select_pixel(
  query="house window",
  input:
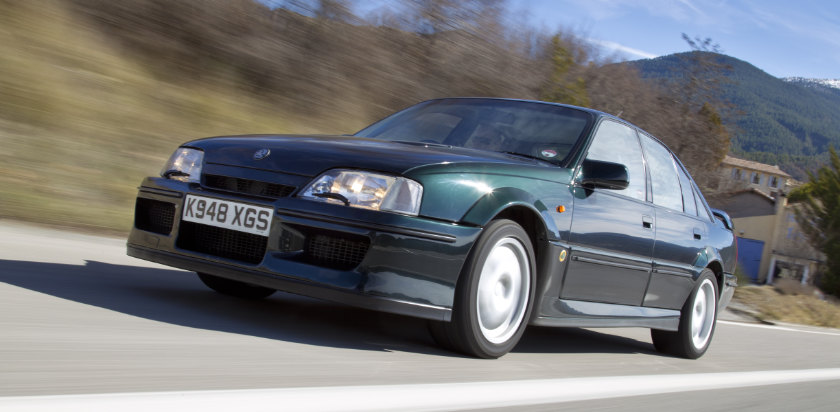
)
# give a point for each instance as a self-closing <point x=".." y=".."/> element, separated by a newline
<point x="773" y="181"/>
<point x="736" y="173"/>
<point x="755" y="178"/>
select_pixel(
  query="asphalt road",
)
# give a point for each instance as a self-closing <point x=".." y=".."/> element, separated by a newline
<point x="79" y="317"/>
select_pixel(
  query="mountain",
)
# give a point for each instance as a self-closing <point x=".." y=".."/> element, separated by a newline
<point x="816" y="83"/>
<point x="826" y="86"/>
<point x="789" y="122"/>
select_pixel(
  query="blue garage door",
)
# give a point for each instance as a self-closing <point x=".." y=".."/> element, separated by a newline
<point x="749" y="256"/>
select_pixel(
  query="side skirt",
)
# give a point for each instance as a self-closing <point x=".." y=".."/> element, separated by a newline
<point x="575" y="313"/>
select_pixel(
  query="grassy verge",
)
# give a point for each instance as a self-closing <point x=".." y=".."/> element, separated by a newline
<point x="788" y="302"/>
<point x="82" y="122"/>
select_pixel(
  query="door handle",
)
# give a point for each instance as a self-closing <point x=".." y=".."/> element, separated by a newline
<point x="647" y="222"/>
<point x="698" y="234"/>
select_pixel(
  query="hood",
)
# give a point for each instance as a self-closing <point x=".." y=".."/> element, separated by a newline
<point x="312" y="155"/>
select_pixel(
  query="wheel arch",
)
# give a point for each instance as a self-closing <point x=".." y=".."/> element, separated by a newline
<point x="528" y="212"/>
<point x="513" y="202"/>
<point x="717" y="268"/>
<point x="532" y="223"/>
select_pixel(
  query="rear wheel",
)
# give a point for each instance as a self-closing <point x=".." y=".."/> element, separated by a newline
<point x="234" y="287"/>
<point x="494" y="295"/>
<point x="697" y="322"/>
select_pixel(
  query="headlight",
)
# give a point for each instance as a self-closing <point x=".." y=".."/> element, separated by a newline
<point x="184" y="165"/>
<point x="366" y="190"/>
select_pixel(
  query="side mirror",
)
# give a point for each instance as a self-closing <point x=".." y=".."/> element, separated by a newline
<point x="724" y="217"/>
<point x="605" y="175"/>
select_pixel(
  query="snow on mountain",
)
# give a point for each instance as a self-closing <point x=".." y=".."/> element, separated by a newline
<point x="832" y="83"/>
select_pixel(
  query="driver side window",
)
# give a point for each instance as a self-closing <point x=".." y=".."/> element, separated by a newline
<point x="617" y="143"/>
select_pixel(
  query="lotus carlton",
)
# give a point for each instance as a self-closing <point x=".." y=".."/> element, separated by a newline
<point x="481" y="215"/>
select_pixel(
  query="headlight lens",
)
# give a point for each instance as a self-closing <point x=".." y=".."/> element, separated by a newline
<point x="366" y="190"/>
<point x="184" y="165"/>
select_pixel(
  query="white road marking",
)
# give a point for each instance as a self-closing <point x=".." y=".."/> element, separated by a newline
<point x="773" y="327"/>
<point x="418" y="397"/>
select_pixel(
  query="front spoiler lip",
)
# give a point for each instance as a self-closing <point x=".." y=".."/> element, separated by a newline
<point x="295" y="286"/>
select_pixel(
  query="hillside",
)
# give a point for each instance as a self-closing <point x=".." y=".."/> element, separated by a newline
<point x="789" y="123"/>
<point x="96" y="94"/>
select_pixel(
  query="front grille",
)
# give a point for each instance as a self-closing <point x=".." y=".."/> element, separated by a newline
<point x="224" y="243"/>
<point x="335" y="250"/>
<point x="247" y="186"/>
<point x="154" y="215"/>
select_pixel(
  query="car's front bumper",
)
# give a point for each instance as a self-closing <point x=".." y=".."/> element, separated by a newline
<point x="381" y="261"/>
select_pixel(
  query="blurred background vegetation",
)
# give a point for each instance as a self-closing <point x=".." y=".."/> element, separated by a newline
<point x="95" y="94"/>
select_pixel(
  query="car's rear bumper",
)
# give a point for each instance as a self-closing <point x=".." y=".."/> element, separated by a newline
<point x="730" y="282"/>
<point x="381" y="261"/>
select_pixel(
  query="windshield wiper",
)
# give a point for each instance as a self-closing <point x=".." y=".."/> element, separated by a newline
<point x="422" y="143"/>
<point x="529" y="156"/>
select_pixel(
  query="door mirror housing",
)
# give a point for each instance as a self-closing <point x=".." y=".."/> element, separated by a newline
<point x="604" y="175"/>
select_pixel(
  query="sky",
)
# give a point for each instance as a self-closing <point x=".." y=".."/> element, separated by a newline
<point x="785" y="38"/>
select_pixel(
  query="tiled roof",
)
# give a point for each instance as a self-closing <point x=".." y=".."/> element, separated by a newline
<point x="751" y="190"/>
<point x="749" y="202"/>
<point x="750" y="165"/>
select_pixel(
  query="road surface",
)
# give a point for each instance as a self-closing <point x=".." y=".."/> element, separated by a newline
<point x="84" y="327"/>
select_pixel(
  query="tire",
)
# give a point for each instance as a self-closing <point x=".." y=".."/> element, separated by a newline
<point x="494" y="295"/>
<point x="697" y="322"/>
<point x="235" y="288"/>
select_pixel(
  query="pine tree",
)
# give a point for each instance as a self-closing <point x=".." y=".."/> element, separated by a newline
<point x="567" y="84"/>
<point x="818" y="213"/>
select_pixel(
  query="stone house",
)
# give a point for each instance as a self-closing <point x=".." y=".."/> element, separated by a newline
<point x="738" y="173"/>
<point x="771" y="244"/>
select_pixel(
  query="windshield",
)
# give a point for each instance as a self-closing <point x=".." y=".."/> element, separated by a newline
<point x="538" y="130"/>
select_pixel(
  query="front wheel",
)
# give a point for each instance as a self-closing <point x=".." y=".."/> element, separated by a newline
<point x="235" y="288"/>
<point x="494" y="295"/>
<point x="697" y="322"/>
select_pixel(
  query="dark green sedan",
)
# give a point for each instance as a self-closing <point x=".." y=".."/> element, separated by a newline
<point x="481" y="215"/>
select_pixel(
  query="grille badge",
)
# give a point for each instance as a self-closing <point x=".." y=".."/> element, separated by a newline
<point x="261" y="154"/>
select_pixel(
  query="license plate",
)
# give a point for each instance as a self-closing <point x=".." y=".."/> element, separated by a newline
<point x="229" y="215"/>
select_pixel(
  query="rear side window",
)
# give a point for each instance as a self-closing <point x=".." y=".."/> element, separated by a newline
<point x="617" y="143"/>
<point x="702" y="209"/>
<point x="665" y="184"/>
<point x="687" y="192"/>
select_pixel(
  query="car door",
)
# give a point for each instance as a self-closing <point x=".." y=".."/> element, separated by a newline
<point x="612" y="230"/>
<point x="680" y="233"/>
